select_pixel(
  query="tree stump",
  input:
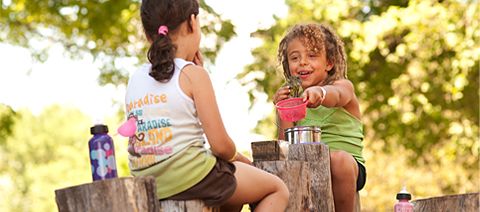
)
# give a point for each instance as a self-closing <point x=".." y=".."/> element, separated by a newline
<point x="266" y="151"/>
<point x="119" y="194"/>
<point x="122" y="195"/>
<point x="306" y="171"/>
<point x="318" y="157"/>
<point x="296" y="176"/>
<point x="460" y="202"/>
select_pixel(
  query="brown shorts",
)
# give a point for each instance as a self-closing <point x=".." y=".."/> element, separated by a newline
<point x="362" y="176"/>
<point x="215" y="189"/>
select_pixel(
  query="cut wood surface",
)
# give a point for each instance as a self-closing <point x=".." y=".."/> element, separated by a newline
<point x="458" y="203"/>
<point x="119" y="194"/>
<point x="122" y="195"/>
<point x="265" y="151"/>
<point x="306" y="173"/>
<point x="318" y="157"/>
<point x="297" y="177"/>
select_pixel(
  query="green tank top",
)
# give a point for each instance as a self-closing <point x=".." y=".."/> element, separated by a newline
<point x="181" y="171"/>
<point x="340" y="129"/>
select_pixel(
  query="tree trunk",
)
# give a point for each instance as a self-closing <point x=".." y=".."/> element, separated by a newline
<point x="119" y="194"/>
<point x="122" y="195"/>
<point x="318" y="157"/>
<point x="266" y="151"/>
<point x="461" y="202"/>
<point x="306" y="173"/>
<point x="297" y="177"/>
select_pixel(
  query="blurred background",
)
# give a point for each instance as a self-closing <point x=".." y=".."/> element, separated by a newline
<point x="415" y="66"/>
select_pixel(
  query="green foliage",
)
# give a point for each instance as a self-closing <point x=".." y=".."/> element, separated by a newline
<point x="108" y="30"/>
<point x="39" y="154"/>
<point x="7" y="115"/>
<point x="45" y="153"/>
<point x="214" y="28"/>
<point x="415" y="65"/>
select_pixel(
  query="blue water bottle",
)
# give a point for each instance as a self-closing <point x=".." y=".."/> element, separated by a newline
<point x="102" y="153"/>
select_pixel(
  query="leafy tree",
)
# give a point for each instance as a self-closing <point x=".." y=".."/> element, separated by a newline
<point x="109" y="30"/>
<point x="415" y="65"/>
<point x="48" y="152"/>
<point x="44" y="153"/>
<point x="39" y="154"/>
<point x="7" y="116"/>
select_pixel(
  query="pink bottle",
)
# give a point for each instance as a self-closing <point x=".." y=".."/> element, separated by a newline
<point x="403" y="204"/>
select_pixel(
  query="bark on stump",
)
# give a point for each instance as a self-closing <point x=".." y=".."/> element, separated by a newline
<point x="296" y="175"/>
<point x="306" y="171"/>
<point x="122" y="195"/>
<point x="119" y="194"/>
<point x="460" y="202"/>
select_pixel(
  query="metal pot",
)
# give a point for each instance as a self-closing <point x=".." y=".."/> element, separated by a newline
<point x="303" y="134"/>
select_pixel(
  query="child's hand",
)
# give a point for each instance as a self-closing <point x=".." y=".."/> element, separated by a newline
<point x="243" y="159"/>
<point x="314" y="96"/>
<point x="281" y="94"/>
<point x="198" y="59"/>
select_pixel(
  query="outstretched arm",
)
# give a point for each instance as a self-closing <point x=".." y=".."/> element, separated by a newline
<point x="340" y="94"/>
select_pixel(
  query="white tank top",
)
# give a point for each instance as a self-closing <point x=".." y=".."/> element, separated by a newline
<point x="167" y="120"/>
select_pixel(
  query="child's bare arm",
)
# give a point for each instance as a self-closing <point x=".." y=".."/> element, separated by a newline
<point x="339" y="94"/>
<point x="204" y="99"/>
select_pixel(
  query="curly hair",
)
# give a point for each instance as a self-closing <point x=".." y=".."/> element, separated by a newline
<point x="317" y="38"/>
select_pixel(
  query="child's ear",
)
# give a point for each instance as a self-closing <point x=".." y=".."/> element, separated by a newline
<point x="194" y="21"/>
<point x="329" y="66"/>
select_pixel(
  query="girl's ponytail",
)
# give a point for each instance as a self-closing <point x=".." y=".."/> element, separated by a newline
<point x="161" y="55"/>
<point x="160" y="20"/>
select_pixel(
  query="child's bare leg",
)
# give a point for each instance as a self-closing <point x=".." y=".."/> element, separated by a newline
<point x="344" y="180"/>
<point x="255" y="185"/>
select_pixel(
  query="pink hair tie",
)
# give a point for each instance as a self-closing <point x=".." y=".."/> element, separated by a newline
<point x="163" y="30"/>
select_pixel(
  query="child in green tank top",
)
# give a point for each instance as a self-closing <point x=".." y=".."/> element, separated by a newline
<point x="314" y="54"/>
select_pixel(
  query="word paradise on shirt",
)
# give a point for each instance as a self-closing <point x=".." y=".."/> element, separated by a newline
<point x="148" y="99"/>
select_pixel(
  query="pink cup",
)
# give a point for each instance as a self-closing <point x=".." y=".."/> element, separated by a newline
<point x="292" y="109"/>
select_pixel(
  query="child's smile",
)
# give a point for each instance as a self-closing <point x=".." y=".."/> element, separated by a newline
<point x="311" y="67"/>
<point x="304" y="74"/>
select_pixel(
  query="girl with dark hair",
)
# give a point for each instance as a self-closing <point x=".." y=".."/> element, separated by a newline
<point x="173" y="103"/>
<point x="314" y="54"/>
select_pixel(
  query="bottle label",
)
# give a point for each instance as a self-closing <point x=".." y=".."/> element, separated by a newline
<point x="403" y="207"/>
<point x="102" y="159"/>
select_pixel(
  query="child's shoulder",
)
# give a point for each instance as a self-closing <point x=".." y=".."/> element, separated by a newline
<point x="195" y="70"/>
<point x="196" y="75"/>
<point x="346" y="83"/>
